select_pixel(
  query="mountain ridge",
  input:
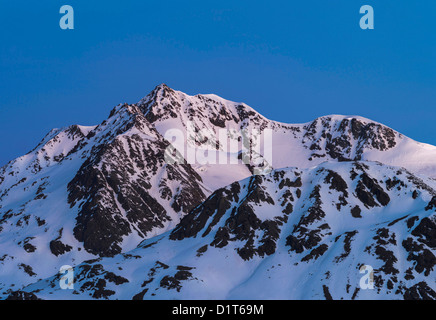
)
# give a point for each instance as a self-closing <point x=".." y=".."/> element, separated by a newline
<point x="300" y="248"/>
<point x="87" y="192"/>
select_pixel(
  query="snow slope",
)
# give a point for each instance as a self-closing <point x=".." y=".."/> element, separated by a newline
<point x="292" y="234"/>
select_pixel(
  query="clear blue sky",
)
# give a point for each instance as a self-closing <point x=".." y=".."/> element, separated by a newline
<point x="291" y="60"/>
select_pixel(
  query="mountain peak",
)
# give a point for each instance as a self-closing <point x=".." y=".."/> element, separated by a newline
<point x="162" y="90"/>
<point x="159" y="92"/>
<point x="209" y="111"/>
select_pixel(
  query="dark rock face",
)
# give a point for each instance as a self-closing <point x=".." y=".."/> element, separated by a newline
<point x="426" y="231"/>
<point x="339" y="138"/>
<point x="22" y="295"/>
<point x="174" y="282"/>
<point x="355" y="212"/>
<point x="424" y="259"/>
<point x="241" y="223"/>
<point x="93" y="280"/>
<point x="420" y="291"/>
<point x="27" y="269"/>
<point x="58" y="248"/>
<point x="216" y="205"/>
<point x="327" y="294"/>
<point x="336" y="182"/>
<point x="383" y="239"/>
<point x="305" y="235"/>
<point x="348" y="238"/>
<point x="27" y="245"/>
<point x="113" y="190"/>
<point x="421" y="245"/>
<point x="316" y="253"/>
<point x="432" y="204"/>
<point x="367" y="189"/>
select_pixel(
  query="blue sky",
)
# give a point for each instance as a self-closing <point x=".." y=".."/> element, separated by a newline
<point x="291" y="60"/>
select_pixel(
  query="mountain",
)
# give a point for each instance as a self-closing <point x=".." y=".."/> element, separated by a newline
<point x="334" y="137"/>
<point x="95" y="193"/>
<point x="292" y="234"/>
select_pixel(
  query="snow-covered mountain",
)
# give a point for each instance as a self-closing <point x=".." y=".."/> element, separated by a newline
<point x="292" y="234"/>
<point x="216" y="230"/>
<point x="334" y="137"/>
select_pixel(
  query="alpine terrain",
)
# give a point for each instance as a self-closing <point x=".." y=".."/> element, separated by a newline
<point x="311" y="211"/>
